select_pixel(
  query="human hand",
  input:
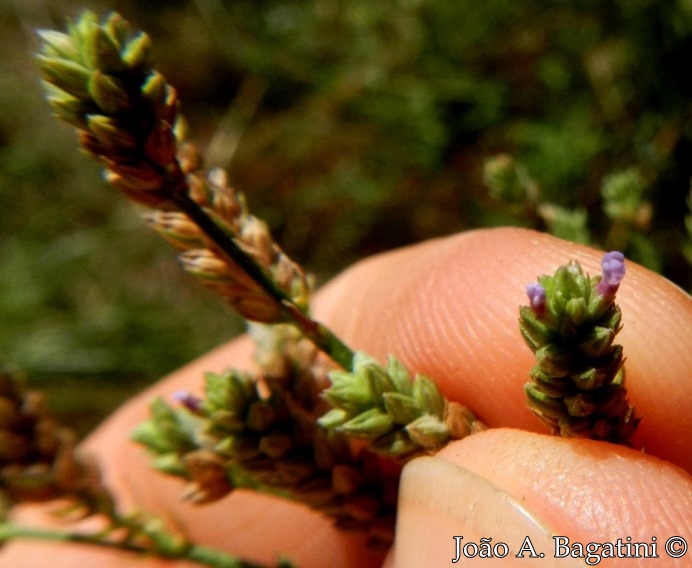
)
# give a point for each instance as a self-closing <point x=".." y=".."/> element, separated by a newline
<point x="448" y="308"/>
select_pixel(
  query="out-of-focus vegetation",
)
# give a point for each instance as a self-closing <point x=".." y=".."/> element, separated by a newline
<point x="353" y="127"/>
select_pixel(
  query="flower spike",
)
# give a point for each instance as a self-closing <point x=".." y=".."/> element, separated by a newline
<point x="99" y="77"/>
<point x="577" y="386"/>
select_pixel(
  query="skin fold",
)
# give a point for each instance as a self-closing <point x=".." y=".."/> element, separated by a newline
<point x="448" y="308"/>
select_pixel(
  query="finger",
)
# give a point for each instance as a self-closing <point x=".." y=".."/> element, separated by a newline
<point x="449" y="308"/>
<point x="508" y="484"/>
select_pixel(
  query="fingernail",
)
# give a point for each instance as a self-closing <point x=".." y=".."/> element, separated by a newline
<point x="444" y="512"/>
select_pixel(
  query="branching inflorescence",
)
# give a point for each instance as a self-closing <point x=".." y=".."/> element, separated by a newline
<point x="288" y="429"/>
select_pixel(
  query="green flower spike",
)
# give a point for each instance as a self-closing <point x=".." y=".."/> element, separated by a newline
<point x="99" y="77"/>
<point x="399" y="416"/>
<point x="248" y="432"/>
<point x="577" y="386"/>
<point x="252" y="432"/>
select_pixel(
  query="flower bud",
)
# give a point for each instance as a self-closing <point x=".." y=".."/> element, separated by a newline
<point x="153" y="91"/>
<point x="101" y="52"/>
<point x="261" y="416"/>
<point x="537" y="298"/>
<point x="402" y="408"/>
<point x="275" y="445"/>
<point x="351" y="395"/>
<point x="613" y="266"/>
<point x="110" y="135"/>
<point x="67" y="75"/>
<point x="428" y="432"/>
<point x="59" y="45"/>
<point x="369" y="424"/>
<point x="69" y="109"/>
<point x="346" y="480"/>
<point x="137" y="52"/>
<point x="188" y="400"/>
<point x="598" y="341"/>
<point x="209" y="478"/>
<point x="117" y="28"/>
<point x="109" y="93"/>
<point x="427" y="396"/>
<point x="575" y="310"/>
<point x="458" y="420"/>
<point x="161" y="145"/>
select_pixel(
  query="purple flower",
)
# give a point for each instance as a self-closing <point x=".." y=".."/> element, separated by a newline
<point x="613" y="266"/>
<point x="188" y="400"/>
<point x="536" y="293"/>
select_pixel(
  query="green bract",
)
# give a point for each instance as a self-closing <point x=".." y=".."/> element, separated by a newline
<point x="400" y="416"/>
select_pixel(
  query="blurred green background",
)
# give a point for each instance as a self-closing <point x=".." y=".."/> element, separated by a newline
<point x="353" y="127"/>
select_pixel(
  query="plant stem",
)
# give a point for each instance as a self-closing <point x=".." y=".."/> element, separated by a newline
<point x="194" y="553"/>
<point x="318" y="333"/>
<point x="228" y="247"/>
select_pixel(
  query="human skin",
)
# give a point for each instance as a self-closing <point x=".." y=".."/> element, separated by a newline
<point x="448" y="308"/>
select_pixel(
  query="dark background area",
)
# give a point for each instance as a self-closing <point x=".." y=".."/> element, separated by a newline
<point x="352" y="127"/>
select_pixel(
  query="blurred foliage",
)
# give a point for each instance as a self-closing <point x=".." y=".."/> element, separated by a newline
<point x="352" y="126"/>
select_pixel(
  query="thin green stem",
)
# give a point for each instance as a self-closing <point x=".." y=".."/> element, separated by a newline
<point x="198" y="554"/>
<point x="229" y="248"/>
<point x="323" y="338"/>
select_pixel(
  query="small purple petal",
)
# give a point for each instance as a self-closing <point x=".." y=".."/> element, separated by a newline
<point x="613" y="265"/>
<point x="188" y="400"/>
<point x="536" y="294"/>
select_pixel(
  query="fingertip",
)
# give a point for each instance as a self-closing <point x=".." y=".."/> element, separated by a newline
<point x="590" y="490"/>
<point x="446" y="511"/>
<point x="505" y="486"/>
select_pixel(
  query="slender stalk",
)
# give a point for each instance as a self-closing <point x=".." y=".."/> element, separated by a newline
<point x="228" y="247"/>
<point x="194" y="553"/>
<point x="323" y="338"/>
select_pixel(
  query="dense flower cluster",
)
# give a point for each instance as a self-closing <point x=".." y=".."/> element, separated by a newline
<point x="577" y="386"/>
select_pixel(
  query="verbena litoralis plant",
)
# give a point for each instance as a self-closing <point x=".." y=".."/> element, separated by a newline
<point x="289" y="428"/>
